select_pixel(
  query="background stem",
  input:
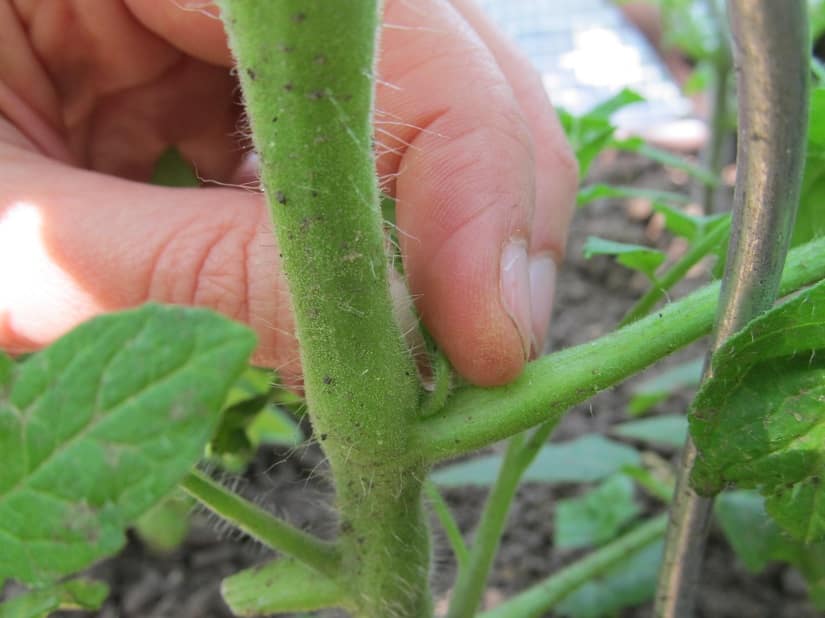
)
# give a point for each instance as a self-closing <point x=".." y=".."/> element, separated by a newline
<point x="771" y="52"/>
<point x="699" y="249"/>
<point x="469" y="588"/>
<point x="535" y="601"/>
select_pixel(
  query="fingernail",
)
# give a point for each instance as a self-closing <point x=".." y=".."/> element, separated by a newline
<point x="515" y="290"/>
<point x="542" y="290"/>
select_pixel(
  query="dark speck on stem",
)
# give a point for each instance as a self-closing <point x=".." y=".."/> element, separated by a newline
<point x="280" y="197"/>
<point x="251" y="74"/>
<point x="288" y="87"/>
<point x="299" y="17"/>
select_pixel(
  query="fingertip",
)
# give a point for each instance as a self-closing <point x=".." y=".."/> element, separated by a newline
<point x="192" y="26"/>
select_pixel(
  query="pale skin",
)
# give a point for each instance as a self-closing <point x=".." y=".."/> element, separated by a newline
<point x="93" y="91"/>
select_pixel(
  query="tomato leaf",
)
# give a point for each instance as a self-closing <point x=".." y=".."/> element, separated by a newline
<point x="596" y="517"/>
<point x="282" y="585"/>
<point x="101" y="425"/>
<point x="636" y="257"/>
<point x="75" y="594"/>
<point x="583" y="460"/>
<point x="760" y="421"/>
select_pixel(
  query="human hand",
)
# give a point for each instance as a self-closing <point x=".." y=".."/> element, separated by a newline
<point x="92" y="92"/>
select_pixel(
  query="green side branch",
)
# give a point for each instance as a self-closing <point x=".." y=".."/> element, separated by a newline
<point x="306" y="73"/>
<point x="262" y="526"/>
<point x="474" y="417"/>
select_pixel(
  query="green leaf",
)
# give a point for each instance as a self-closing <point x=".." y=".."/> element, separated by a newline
<point x="596" y="517"/>
<point x="599" y="191"/>
<point x="758" y="541"/>
<point x="689" y="226"/>
<point x="101" y="425"/>
<point x="760" y="422"/>
<point x="691" y="28"/>
<point x="620" y="100"/>
<point x="651" y="391"/>
<point x="592" y="132"/>
<point x="668" y="159"/>
<point x="283" y="585"/>
<point x="816" y="18"/>
<point x="632" y="582"/>
<point x="171" y="170"/>
<point x="6" y="372"/>
<point x="636" y="257"/>
<point x="273" y="426"/>
<point x="231" y="437"/>
<point x="810" y="218"/>
<point x="165" y="526"/>
<point x="75" y="594"/>
<point x="699" y="79"/>
<point x="667" y="429"/>
<point x="253" y="382"/>
<point x="751" y="533"/>
<point x="583" y="460"/>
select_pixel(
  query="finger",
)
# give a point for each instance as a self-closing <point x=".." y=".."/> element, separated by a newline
<point x="85" y="243"/>
<point x="556" y="167"/>
<point x="457" y="152"/>
<point x="192" y="26"/>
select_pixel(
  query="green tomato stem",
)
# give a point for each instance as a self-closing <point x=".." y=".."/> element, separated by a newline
<point x="449" y="524"/>
<point x="475" y="417"/>
<point x="306" y="70"/>
<point x="470" y="583"/>
<point x="259" y="524"/>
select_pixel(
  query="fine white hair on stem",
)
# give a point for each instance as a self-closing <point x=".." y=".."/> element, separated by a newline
<point x="372" y="76"/>
<point x="253" y="186"/>
<point x="412" y="28"/>
<point x="392" y="135"/>
<point x="402" y="233"/>
<point x="202" y="8"/>
<point x="343" y="117"/>
<point x="401" y="123"/>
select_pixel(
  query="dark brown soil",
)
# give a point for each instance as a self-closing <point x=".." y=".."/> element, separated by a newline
<point x="592" y="295"/>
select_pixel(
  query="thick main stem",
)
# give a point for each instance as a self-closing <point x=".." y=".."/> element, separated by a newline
<point x="771" y="50"/>
<point x="306" y="72"/>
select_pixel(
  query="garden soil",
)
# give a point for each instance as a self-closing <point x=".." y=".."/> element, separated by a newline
<point x="592" y="295"/>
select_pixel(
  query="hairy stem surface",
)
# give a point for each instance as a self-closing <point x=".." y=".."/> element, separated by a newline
<point x="259" y="524"/>
<point x="306" y="71"/>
